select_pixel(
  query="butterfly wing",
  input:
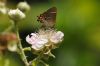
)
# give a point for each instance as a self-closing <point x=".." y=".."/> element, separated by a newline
<point x="48" y="18"/>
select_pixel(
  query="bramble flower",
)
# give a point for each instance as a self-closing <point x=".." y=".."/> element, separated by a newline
<point x="23" y="6"/>
<point x="45" y="38"/>
<point x="37" y="41"/>
<point x="16" y="14"/>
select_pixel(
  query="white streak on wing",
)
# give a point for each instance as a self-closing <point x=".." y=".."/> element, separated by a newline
<point x="52" y="12"/>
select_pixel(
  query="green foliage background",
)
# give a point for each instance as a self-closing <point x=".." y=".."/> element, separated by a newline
<point x="80" y="22"/>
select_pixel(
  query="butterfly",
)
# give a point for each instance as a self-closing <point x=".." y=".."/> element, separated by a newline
<point x="48" y="18"/>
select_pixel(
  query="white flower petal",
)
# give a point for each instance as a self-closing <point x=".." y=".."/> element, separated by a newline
<point x="57" y="37"/>
<point x="29" y="40"/>
<point x="37" y="41"/>
<point x="42" y="41"/>
<point x="38" y="46"/>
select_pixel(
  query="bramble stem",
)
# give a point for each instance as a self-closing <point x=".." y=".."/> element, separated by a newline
<point x="22" y="54"/>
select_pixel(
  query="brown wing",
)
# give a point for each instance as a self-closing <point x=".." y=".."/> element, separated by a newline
<point x="50" y="14"/>
<point x="48" y="18"/>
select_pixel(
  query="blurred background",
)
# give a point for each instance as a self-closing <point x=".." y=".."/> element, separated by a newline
<point x="78" y="19"/>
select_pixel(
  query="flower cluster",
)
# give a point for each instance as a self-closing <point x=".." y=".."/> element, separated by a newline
<point x="45" y="38"/>
<point x="16" y="14"/>
<point x="19" y="13"/>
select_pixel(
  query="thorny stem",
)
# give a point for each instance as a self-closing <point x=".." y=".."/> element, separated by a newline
<point x="22" y="54"/>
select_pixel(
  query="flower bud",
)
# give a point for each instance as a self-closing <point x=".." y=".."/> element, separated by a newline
<point x="23" y="6"/>
<point x="16" y="14"/>
<point x="12" y="46"/>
